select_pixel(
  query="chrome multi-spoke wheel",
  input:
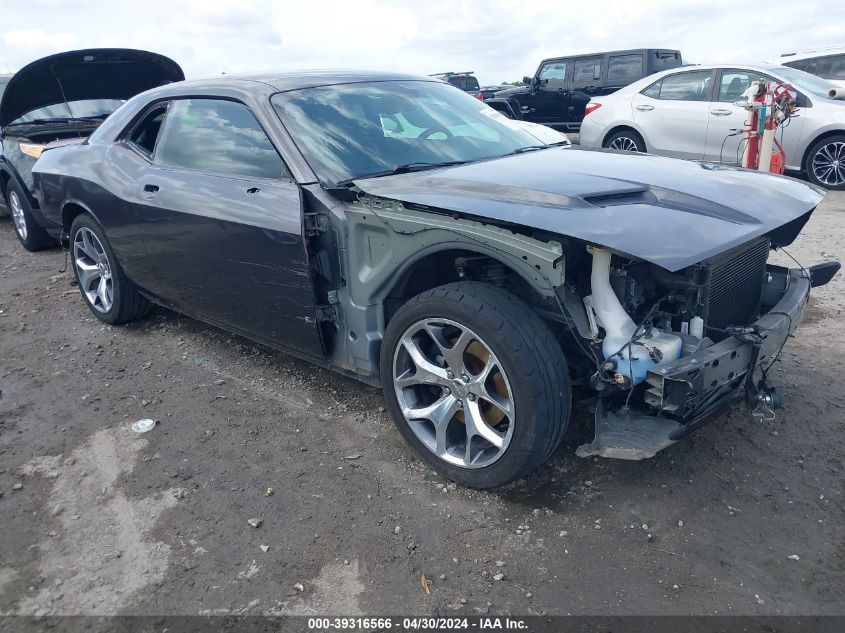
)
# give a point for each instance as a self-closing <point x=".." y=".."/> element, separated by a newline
<point x="453" y="393"/>
<point x="18" y="217"/>
<point x="93" y="270"/>
<point x="828" y="164"/>
<point x="476" y="382"/>
<point x="624" y="144"/>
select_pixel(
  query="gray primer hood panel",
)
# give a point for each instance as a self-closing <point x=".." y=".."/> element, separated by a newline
<point x="673" y="213"/>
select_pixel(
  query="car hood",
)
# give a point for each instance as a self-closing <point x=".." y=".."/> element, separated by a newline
<point x="670" y="212"/>
<point x="100" y="73"/>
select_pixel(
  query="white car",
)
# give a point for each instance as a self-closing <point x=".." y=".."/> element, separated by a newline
<point x="689" y="112"/>
<point x="828" y="63"/>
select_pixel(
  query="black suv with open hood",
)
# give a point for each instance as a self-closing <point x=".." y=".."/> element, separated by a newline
<point x="60" y="100"/>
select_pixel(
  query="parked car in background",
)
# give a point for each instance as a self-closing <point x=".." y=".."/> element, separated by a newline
<point x="690" y="113"/>
<point x="4" y="79"/>
<point x="827" y="63"/>
<point x="60" y="100"/>
<point x="389" y="227"/>
<point x="562" y="86"/>
<point x="466" y="81"/>
<point x="488" y="92"/>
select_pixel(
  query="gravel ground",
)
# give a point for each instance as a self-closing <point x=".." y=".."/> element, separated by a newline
<point x="744" y="517"/>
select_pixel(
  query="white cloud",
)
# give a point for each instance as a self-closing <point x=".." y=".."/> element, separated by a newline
<point x="499" y="39"/>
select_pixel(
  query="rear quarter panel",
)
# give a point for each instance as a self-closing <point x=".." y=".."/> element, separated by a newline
<point x="91" y="177"/>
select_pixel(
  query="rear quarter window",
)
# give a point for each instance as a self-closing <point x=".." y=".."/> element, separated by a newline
<point x="624" y="69"/>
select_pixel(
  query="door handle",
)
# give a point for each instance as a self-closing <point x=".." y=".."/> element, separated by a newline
<point x="253" y="191"/>
<point x="645" y="108"/>
<point x="721" y="112"/>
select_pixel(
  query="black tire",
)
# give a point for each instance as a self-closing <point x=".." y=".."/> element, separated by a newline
<point x="128" y="304"/>
<point x="630" y="139"/>
<point x="819" y="154"/>
<point x="30" y="234"/>
<point x="530" y="357"/>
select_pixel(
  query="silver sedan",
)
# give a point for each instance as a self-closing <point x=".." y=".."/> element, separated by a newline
<point x="689" y="112"/>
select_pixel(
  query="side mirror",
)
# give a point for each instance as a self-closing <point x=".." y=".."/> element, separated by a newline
<point x="527" y="80"/>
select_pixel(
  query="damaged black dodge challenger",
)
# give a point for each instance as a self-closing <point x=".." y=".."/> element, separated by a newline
<point x="387" y="227"/>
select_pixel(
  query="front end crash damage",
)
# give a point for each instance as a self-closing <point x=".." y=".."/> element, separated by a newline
<point x="389" y="239"/>
<point x="684" y="394"/>
<point x="659" y="336"/>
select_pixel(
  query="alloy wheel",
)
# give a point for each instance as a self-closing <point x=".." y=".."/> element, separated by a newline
<point x="453" y="393"/>
<point x="18" y="216"/>
<point x="624" y="144"/>
<point x="829" y="164"/>
<point x="93" y="270"/>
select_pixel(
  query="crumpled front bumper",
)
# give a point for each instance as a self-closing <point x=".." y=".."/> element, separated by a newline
<point x="701" y="383"/>
<point x="687" y="392"/>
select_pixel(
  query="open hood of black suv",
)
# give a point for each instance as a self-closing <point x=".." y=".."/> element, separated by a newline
<point x="96" y="73"/>
<point x="673" y="213"/>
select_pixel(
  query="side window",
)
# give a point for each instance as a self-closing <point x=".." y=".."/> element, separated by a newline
<point x="691" y="86"/>
<point x="652" y="91"/>
<point x="830" y="67"/>
<point x="586" y="71"/>
<point x="553" y="72"/>
<point x="624" y="68"/>
<point x="801" y="64"/>
<point x="734" y="83"/>
<point x="217" y="136"/>
<point x="145" y="134"/>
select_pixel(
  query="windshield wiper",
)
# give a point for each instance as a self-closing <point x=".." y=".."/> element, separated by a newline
<point x="66" y="120"/>
<point x="531" y="148"/>
<point x="400" y="169"/>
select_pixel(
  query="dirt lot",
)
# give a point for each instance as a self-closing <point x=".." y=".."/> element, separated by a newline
<point x="744" y="517"/>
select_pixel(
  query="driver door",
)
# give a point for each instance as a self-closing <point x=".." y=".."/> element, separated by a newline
<point x="223" y="226"/>
<point x="551" y="97"/>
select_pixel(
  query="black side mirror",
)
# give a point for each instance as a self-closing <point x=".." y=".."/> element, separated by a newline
<point x="528" y="80"/>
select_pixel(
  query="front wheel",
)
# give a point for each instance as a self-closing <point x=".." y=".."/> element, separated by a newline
<point x="826" y="163"/>
<point x="625" y="141"/>
<point x="476" y="383"/>
<point x="104" y="287"/>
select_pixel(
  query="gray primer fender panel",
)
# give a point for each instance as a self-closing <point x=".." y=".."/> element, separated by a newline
<point x="384" y="239"/>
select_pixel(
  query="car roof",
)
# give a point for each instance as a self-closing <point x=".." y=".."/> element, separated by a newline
<point x="282" y="81"/>
<point x="758" y="67"/>
<point x="619" y="52"/>
<point x="810" y="54"/>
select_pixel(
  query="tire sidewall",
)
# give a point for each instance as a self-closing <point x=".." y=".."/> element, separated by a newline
<point x="811" y="176"/>
<point x="33" y="229"/>
<point x="118" y="282"/>
<point x="527" y="439"/>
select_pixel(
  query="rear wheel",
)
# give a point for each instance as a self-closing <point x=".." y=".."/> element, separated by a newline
<point x="476" y="383"/>
<point x="625" y="141"/>
<point x="30" y="234"/>
<point x="826" y="162"/>
<point x="109" y="294"/>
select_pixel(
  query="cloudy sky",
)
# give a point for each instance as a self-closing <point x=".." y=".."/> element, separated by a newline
<point x="501" y="40"/>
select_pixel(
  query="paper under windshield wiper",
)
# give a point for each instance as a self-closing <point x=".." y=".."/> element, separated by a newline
<point x="401" y="169"/>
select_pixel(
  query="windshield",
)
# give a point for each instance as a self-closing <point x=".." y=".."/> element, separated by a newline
<point x="352" y="130"/>
<point x="805" y="81"/>
<point x="74" y="109"/>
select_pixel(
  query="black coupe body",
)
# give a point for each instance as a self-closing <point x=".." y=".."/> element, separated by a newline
<point x="387" y="227"/>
